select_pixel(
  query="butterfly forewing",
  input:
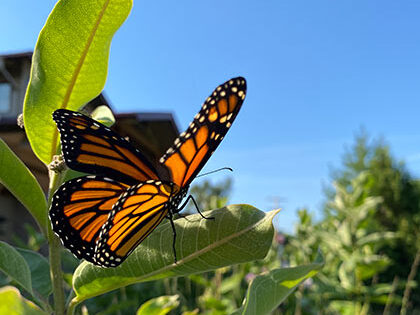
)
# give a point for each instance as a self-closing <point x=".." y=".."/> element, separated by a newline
<point x="135" y="215"/>
<point x="79" y="209"/>
<point x="90" y="147"/>
<point x="193" y="148"/>
<point x="103" y="220"/>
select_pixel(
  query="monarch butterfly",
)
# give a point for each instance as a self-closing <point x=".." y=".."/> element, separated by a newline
<point x="103" y="217"/>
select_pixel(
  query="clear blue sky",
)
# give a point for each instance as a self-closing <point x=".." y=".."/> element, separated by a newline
<point x="317" y="71"/>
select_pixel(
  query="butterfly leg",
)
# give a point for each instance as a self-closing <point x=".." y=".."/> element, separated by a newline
<point x="183" y="217"/>
<point x="170" y="217"/>
<point x="196" y="206"/>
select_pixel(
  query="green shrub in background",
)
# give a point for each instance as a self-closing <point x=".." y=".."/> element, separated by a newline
<point x="368" y="235"/>
<point x="69" y="68"/>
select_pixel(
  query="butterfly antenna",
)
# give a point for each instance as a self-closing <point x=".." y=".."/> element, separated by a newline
<point x="220" y="169"/>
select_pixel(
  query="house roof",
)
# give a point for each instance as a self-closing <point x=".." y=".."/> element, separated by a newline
<point x="153" y="132"/>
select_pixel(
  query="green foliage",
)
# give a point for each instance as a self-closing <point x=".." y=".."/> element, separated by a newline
<point x="69" y="65"/>
<point x="390" y="180"/>
<point x="211" y="196"/>
<point x="238" y="234"/>
<point x="161" y="305"/>
<point x="40" y="271"/>
<point x="14" y="265"/>
<point x="399" y="211"/>
<point x="104" y="115"/>
<point x="12" y="303"/>
<point x="347" y="235"/>
<point x="17" y="178"/>
<point x="267" y="291"/>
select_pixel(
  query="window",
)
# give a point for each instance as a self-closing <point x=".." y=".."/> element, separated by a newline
<point x="5" y="97"/>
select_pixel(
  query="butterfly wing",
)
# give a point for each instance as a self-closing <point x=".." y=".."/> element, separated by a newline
<point x="193" y="148"/>
<point x="79" y="209"/>
<point x="90" y="147"/>
<point x="135" y="215"/>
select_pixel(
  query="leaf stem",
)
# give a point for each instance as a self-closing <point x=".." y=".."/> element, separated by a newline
<point x="55" y="257"/>
<point x="410" y="278"/>
<point x="72" y="305"/>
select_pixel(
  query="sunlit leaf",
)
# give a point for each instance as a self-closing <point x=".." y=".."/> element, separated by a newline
<point x="161" y="305"/>
<point x="376" y="238"/>
<point x="12" y="303"/>
<point x="371" y="266"/>
<point x="104" y="115"/>
<point x="266" y="292"/>
<point x="69" y="65"/>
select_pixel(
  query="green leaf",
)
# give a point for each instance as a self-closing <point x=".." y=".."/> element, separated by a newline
<point x="344" y="307"/>
<point x="371" y="265"/>
<point x="14" y="265"/>
<point x="376" y="238"/>
<point x="239" y="233"/>
<point x="12" y="303"/>
<point x="69" y="65"/>
<point x="104" y="115"/>
<point x="232" y="282"/>
<point x="17" y="179"/>
<point x="161" y="305"/>
<point x="40" y="271"/>
<point x="379" y="289"/>
<point x="268" y="291"/>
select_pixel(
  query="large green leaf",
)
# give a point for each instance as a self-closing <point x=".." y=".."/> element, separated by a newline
<point x="14" y="265"/>
<point x="17" y="178"/>
<point x="268" y="291"/>
<point x="69" y="65"/>
<point x="12" y="303"/>
<point x="238" y="234"/>
<point x="40" y="271"/>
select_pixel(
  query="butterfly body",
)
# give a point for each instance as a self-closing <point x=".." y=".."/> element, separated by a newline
<point x="103" y="217"/>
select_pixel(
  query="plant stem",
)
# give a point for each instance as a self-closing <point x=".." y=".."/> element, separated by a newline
<point x="72" y="306"/>
<point x="390" y="298"/>
<point x="55" y="258"/>
<point x="410" y="278"/>
<point x="218" y="280"/>
<point x="298" y="299"/>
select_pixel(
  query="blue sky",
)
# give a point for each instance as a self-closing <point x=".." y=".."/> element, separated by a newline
<point x="317" y="71"/>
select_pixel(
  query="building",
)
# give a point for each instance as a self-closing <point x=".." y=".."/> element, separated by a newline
<point x="152" y="132"/>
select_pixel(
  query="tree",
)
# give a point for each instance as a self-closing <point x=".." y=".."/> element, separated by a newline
<point x="348" y="283"/>
<point x="399" y="210"/>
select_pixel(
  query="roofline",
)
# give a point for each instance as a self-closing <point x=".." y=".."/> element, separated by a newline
<point x="150" y="116"/>
<point x="26" y="54"/>
<point x="139" y="116"/>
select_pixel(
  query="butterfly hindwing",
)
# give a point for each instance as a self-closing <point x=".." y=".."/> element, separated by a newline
<point x="79" y="209"/>
<point x="135" y="215"/>
<point x="90" y="147"/>
<point x="103" y="218"/>
<point x="193" y="148"/>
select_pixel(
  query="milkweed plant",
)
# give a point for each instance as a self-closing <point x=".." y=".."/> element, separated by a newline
<point x="69" y="68"/>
